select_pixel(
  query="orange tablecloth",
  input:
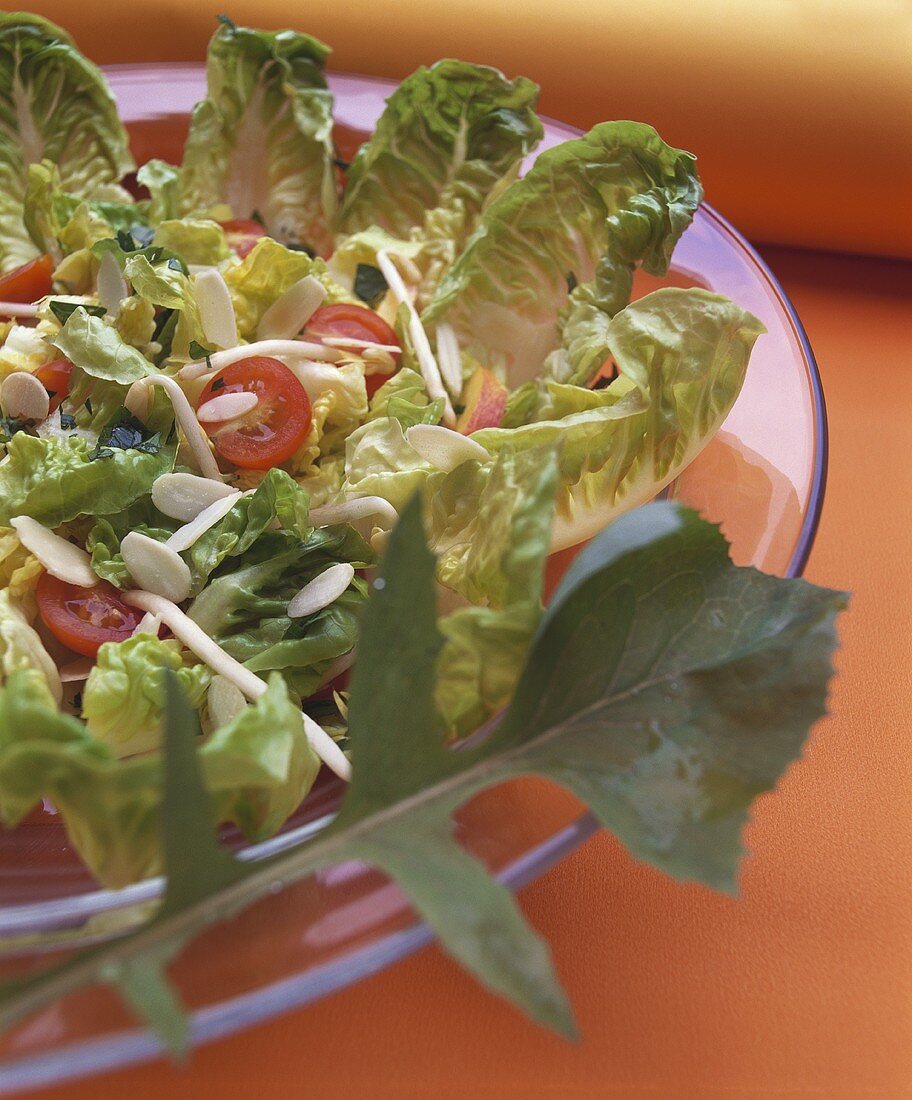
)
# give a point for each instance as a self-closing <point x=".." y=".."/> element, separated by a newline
<point x="804" y="985"/>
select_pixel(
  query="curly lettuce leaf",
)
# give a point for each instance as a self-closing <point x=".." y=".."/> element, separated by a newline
<point x="379" y="461"/>
<point x="162" y="181"/>
<point x="124" y="695"/>
<point x="56" y="106"/>
<point x="454" y="129"/>
<point x="257" y="769"/>
<point x="404" y="397"/>
<point x="261" y="141"/>
<point x="54" y="480"/>
<point x="605" y="202"/>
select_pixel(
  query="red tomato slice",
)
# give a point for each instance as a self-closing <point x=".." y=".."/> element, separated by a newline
<point x="55" y="377"/>
<point x="242" y="234"/>
<point x="29" y="282"/>
<point x="84" y="618"/>
<point x="275" y="428"/>
<point x="358" y="323"/>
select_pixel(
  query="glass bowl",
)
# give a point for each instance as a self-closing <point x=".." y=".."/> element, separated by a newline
<point x="762" y="478"/>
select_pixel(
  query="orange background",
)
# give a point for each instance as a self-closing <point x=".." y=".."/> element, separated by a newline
<point x="804" y="984"/>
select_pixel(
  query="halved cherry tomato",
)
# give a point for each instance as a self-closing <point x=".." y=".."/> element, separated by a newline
<point x="55" y="377"/>
<point x="242" y="234"/>
<point x="84" y="618"/>
<point x="29" y="282"/>
<point x="358" y="323"/>
<point x="275" y="428"/>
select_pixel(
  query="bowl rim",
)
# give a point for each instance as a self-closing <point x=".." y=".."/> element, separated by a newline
<point x="226" y="1017"/>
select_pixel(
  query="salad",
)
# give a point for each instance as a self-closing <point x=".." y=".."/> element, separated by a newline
<point x="221" y="383"/>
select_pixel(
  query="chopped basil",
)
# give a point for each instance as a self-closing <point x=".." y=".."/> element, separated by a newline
<point x="226" y="22"/>
<point x="257" y="217"/>
<point x="126" y="433"/>
<point x="571" y="282"/>
<point x="63" y="310"/>
<point x="370" y="285"/>
<point x="163" y="333"/>
<point x="9" y="426"/>
<point x="198" y="351"/>
<point x="67" y="421"/>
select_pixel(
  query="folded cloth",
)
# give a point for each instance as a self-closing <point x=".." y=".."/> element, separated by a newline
<point x="799" y="110"/>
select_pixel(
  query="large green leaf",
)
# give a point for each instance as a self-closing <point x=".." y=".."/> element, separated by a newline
<point x="665" y="686"/>
<point x="54" y="105"/>
<point x="261" y="140"/>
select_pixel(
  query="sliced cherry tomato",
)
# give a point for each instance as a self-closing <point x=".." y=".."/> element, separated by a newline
<point x="55" y="377"/>
<point x="358" y="323"/>
<point x="242" y="234"/>
<point x="275" y="428"/>
<point x="84" y="618"/>
<point x="29" y="282"/>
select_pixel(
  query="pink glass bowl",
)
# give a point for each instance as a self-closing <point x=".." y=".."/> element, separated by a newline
<point x="762" y="478"/>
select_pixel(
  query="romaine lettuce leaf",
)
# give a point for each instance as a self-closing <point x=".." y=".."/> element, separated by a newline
<point x="448" y="133"/>
<point x="262" y="139"/>
<point x="54" y="480"/>
<point x="404" y="398"/>
<point x="379" y="461"/>
<point x="682" y="356"/>
<point x="257" y="769"/>
<point x="615" y="198"/>
<point x="123" y="698"/>
<point x="162" y="180"/>
<point x="54" y="105"/>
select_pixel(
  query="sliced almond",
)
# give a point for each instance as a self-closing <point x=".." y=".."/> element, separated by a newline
<point x="277" y="349"/>
<point x="289" y="313"/>
<point x="196" y="640"/>
<point x="184" y="537"/>
<point x="110" y="283"/>
<point x="216" y="309"/>
<point x="60" y="558"/>
<point x="23" y="397"/>
<point x="351" y="510"/>
<point x="225" y="700"/>
<point x="226" y="406"/>
<point x="321" y="591"/>
<point x="148" y="624"/>
<point x="138" y="400"/>
<point x="156" y="566"/>
<point x="449" y="359"/>
<point x="183" y="496"/>
<point x="444" y="448"/>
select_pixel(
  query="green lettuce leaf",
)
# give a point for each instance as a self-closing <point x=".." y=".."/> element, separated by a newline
<point x="448" y="134"/>
<point x="682" y="357"/>
<point x="97" y="350"/>
<point x="54" y="105"/>
<point x="196" y="240"/>
<point x="261" y="141"/>
<point x="605" y="202"/>
<point x="244" y="608"/>
<point x="55" y="481"/>
<point x="104" y="539"/>
<point x="124" y="695"/>
<point x="278" y="501"/>
<point x="404" y="398"/>
<point x="22" y="648"/>
<point x="256" y="769"/>
<point x="264" y="275"/>
<point x="379" y="461"/>
<point x="162" y="180"/>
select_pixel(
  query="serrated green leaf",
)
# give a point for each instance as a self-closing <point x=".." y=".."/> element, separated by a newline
<point x="665" y="686"/>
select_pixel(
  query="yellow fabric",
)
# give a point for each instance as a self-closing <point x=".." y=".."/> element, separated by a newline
<point x="800" y="110"/>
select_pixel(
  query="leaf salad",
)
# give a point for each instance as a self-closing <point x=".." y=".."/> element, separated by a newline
<point x="264" y="411"/>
